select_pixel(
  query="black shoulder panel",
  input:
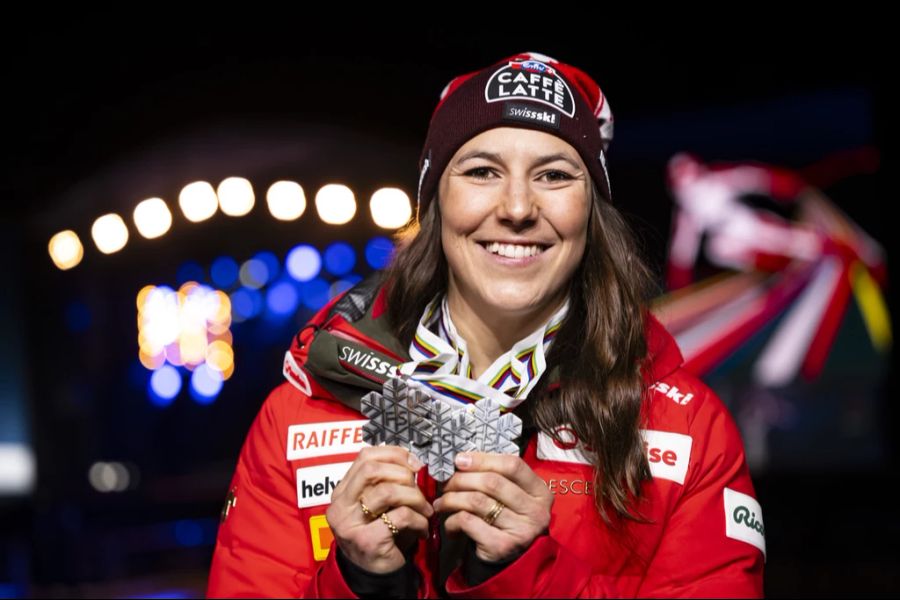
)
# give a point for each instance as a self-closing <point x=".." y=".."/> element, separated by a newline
<point x="356" y="302"/>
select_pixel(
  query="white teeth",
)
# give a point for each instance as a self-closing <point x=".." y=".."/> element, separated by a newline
<point x="513" y="250"/>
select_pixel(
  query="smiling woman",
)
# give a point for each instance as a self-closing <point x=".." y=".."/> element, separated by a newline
<point x="515" y="208"/>
<point x="518" y="283"/>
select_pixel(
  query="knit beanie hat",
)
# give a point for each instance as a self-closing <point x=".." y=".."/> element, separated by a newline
<point x="528" y="90"/>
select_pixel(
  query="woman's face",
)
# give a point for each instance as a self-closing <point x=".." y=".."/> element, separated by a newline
<point x="521" y="188"/>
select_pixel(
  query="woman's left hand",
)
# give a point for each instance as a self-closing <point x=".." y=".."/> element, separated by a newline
<point x="472" y="494"/>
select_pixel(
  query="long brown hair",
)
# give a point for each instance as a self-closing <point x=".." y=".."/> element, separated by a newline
<point x="600" y="347"/>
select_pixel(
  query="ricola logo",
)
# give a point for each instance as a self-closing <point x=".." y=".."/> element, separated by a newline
<point x="744" y="515"/>
<point x="743" y="519"/>
<point x="530" y="80"/>
<point x="367" y="360"/>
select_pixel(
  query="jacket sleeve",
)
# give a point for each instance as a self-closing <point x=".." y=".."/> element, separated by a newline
<point x="263" y="547"/>
<point x="712" y="544"/>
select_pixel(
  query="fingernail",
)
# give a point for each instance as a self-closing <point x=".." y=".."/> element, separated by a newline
<point x="463" y="460"/>
<point x="414" y="462"/>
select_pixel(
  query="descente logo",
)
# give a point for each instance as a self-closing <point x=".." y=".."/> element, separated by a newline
<point x="744" y="515"/>
<point x="367" y="360"/>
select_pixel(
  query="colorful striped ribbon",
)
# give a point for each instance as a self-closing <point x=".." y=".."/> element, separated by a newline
<point x="439" y="360"/>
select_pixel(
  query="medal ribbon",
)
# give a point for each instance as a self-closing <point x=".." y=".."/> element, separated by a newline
<point x="440" y="361"/>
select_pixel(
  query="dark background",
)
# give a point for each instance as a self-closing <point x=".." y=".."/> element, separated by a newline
<point x="108" y="106"/>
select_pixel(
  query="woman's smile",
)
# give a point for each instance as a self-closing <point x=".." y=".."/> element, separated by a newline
<point x="513" y="255"/>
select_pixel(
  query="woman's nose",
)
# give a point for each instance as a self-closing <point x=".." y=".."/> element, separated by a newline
<point x="518" y="202"/>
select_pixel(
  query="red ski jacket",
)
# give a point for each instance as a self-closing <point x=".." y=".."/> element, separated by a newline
<point x="705" y="536"/>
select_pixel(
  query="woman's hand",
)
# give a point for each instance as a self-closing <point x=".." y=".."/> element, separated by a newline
<point x="472" y="493"/>
<point x="382" y="478"/>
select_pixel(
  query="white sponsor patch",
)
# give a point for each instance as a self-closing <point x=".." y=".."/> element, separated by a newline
<point x="743" y="519"/>
<point x="668" y="454"/>
<point x="570" y="450"/>
<point x="315" y="484"/>
<point x="325" y="439"/>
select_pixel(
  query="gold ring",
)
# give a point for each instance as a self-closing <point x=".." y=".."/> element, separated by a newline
<point x="494" y="512"/>
<point x="387" y="521"/>
<point x="365" y="509"/>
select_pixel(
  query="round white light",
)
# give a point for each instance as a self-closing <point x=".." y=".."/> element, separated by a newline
<point x="198" y="201"/>
<point x="152" y="218"/>
<point x="65" y="249"/>
<point x="335" y="204"/>
<point x="110" y="233"/>
<point x="236" y="196"/>
<point x="390" y="208"/>
<point x="286" y="200"/>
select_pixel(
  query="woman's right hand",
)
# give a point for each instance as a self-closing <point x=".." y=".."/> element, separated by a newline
<point x="383" y="478"/>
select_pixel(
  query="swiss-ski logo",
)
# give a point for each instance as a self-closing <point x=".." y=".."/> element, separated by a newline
<point x="530" y="80"/>
<point x="353" y="356"/>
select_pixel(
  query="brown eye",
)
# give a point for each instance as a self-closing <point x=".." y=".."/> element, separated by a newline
<point x="479" y="172"/>
<point x="557" y="175"/>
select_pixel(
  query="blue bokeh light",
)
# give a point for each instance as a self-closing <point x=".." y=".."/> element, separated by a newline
<point x="273" y="265"/>
<point x="190" y="271"/>
<point x="206" y="383"/>
<point x="282" y="298"/>
<point x="188" y="533"/>
<point x="303" y="262"/>
<point x="314" y="294"/>
<point x="246" y="303"/>
<point x="224" y="272"/>
<point x="340" y="258"/>
<point x="378" y="252"/>
<point x="165" y="384"/>
<point x="254" y="273"/>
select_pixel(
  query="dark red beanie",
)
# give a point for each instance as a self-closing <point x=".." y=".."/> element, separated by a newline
<point x="528" y="90"/>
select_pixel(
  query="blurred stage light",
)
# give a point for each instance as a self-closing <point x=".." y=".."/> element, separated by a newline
<point x="110" y="233"/>
<point x="236" y="196"/>
<point x="286" y="200"/>
<point x="273" y="265"/>
<point x="152" y="218"/>
<point x="282" y="298"/>
<point x="206" y="383"/>
<point x="220" y="357"/>
<point x="314" y="293"/>
<point x="254" y="274"/>
<point x="109" y="477"/>
<point x="390" y="208"/>
<point x="198" y="201"/>
<point x="17" y="468"/>
<point x="189" y="271"/>
<point x="224" y="272"/>
<point x="165" y="384"/>
<point x="340" y="258"/>
<point x="303" y="262"/>
<point x="378" y="252"/>
<point x="246" y="303"/>
<point x="188" y="533"/>
<point x="65" y="249"/>
<point x="335" y="204"/>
